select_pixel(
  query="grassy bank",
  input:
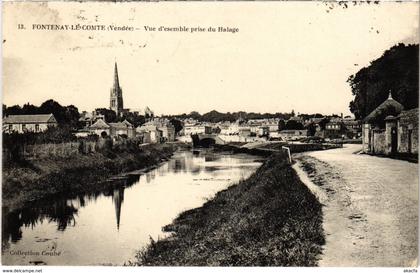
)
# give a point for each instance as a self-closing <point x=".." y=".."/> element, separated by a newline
<point x="36" y="179"/>
<point x="269" y="219"/>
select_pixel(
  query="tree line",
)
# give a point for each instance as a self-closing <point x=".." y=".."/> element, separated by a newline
<point x="215" y="116"/>
<point x="396" y="70"/>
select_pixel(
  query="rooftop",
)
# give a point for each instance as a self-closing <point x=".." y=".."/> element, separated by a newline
<point x="388" y="107"/>
<point x="41" y="118"/>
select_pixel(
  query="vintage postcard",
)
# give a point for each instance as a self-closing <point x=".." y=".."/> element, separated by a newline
<point x="210" y="134"/>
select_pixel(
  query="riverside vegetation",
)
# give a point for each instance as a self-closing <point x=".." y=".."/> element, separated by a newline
<point x="270" y="219"/>
<point x="29" y="180"/>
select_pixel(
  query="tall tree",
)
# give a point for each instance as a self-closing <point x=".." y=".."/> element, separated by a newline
<point x="396" y="70"/>
<point x="293" y="125"/>
<point x="177" y="124"/>
<point x="110" y="115"/>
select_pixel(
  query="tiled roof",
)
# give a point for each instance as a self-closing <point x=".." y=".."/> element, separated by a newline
<point x="42" y="118"/>
<point x="390" y="106"/>
<point x="99" y="124"/>
<point x="118" y="125"/>
<point x="127" y="123"/>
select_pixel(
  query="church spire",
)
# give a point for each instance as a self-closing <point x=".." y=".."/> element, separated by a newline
<point x="390" y="95"/>
<point x="116" y="81"/>
<point x="116" y="99"/>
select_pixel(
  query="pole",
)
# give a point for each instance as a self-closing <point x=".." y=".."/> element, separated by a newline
<point x="288" y="154"/>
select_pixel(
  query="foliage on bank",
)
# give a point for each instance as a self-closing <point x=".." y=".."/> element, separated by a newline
<point x="270" y="219"/>
<point x="78" y="173"/>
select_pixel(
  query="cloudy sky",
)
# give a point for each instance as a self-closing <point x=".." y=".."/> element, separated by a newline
<point x="286" y="55"/>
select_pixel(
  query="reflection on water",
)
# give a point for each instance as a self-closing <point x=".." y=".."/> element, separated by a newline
<point x="108" y="226"/>
<point x="60" y="211"/>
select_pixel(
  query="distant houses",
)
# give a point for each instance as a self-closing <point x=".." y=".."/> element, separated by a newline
<point x="28" y="123"/>
<point x="293" y="134"/>
<point x="156" y="131"/>
<point x="295" y="128"/>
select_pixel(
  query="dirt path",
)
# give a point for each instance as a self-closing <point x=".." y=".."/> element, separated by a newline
<point x="371" y="206"/>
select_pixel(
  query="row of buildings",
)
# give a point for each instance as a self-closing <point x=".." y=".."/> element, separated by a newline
<point x="324" y="127"/>
<point x="154" y="131"/>
<point x="389" y="129"/>
<point x="157" y="130"/>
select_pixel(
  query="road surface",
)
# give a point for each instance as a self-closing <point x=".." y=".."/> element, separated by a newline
<point x="371" y="206"/>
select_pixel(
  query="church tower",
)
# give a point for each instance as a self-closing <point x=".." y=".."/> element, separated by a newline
<point x="116" y="99"/>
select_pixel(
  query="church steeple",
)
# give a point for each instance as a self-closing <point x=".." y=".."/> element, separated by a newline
<point x="116" y="99"/>
<point x="118" y="199"/>
<point x="116" y="81"/>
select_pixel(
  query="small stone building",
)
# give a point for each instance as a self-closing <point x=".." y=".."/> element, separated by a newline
<point x="408" y="131"/>
<point x="99" y="127"/>
<point x="390" y="130"/>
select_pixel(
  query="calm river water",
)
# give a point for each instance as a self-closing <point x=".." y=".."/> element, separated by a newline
<point x="108" y="227"/>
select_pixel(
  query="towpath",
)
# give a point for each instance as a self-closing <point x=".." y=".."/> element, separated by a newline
<point x="371" y="206"/>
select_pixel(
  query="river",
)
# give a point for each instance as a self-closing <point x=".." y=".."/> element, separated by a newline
<point x="107" y="228"/>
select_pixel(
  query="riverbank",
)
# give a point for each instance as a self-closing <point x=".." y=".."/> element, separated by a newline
<point x="267" y="148"/>
<point x="270" y="219"/>
<point x="37" y="179"/>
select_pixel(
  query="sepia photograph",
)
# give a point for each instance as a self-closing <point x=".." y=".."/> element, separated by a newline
<point x="210" y="134"/>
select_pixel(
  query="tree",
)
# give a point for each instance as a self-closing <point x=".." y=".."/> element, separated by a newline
<point x="29" y="109"/>
<point x="110" y="115"/>
<point x="282" y="125"/>
<point x="51" y="106"/>
<point x="71" y="116"/>
<point x="396" y="70"/>
<point x="311" y="129"/>
<point x="177" y="124"/>
<point x="65" y="115"/>
<point x="195" y="115"/>
<point x="13" y="110"/>
<point x="293" y="125"/>
<point x="134" y="118"/>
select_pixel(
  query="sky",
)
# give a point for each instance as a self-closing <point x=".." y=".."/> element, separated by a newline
<point x="286" y="55"/>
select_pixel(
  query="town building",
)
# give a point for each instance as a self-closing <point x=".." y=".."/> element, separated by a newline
<point x="390" y="130"/>
<point x="263" y="131"/>
<point x="244" y="131"/>
<point x="293" y="134"/>
<point x="335" y="129"/>
<point x="99" y="127"/>
<point x="124" y="128"/>
<point x="408" y="131"/>
<point x="28" y="123"/>
<point x="89" y="118"/>
<point x="157" y="130"/>
<point x="198" y="128"/>
<point x="112" y="129"/>
<point x="149" y="133"/>
<point x="353" y="127"/>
